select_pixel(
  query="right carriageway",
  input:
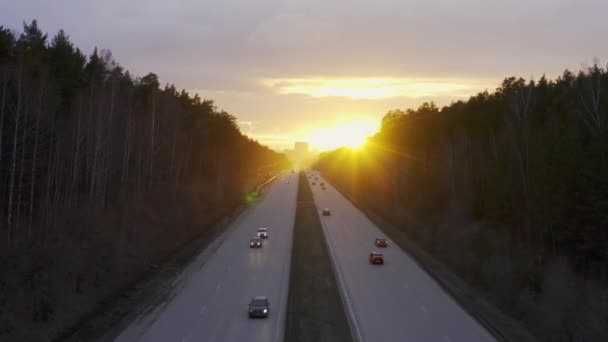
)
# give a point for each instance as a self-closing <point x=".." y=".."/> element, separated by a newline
<point x="394" y="302"/>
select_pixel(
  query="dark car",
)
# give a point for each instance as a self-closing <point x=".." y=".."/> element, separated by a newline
<point x="322" y="184"/>
<point x="259" y="307"/>
<point x="313" y="183"/>
<point x="326" y="212"/>
<point x="376" y="258"/>
<point x="381" y="242"/>
<point x="262" y="233"/>
<point x="255" y="243"/>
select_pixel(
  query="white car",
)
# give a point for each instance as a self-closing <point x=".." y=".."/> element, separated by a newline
<point x="262" y="233"/>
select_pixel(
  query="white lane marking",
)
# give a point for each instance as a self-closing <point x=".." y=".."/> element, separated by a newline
<point x="203" y="309"/>
<point x="447" y="338"/>
<point x="424" y="309"/>
<point x="217" y="287"/>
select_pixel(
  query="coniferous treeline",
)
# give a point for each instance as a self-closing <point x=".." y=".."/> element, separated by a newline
<point x="80" y="131"/>
<point x="101" y="173"/>
<point x="509" y="188"/>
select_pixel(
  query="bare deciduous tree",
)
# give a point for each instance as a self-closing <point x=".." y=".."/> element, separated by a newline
<point x="589" y="97"/>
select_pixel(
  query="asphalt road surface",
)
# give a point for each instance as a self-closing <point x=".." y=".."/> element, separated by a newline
<point x="396" y="301"/>
<point x="210" y="302"/>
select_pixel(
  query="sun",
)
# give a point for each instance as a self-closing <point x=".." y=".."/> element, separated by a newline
<point x="350" y="134"/>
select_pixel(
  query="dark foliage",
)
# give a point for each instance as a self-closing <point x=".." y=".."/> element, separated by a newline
<point x="98" y="167"/>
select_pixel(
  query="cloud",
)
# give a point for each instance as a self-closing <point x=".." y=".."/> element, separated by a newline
<point x="372" y="88"/>
<point x="246" y="126"/>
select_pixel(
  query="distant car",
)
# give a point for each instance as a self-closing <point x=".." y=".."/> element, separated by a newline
<point x="376" y="258"/>
<point x="322" y="184"/>
<point x="259" y="307"/>
<point x="322" y="188"/>
<point x="255" y="243"/>
<point x="262" y="233"/>
<point x="381" y="242"/>
<point x="326" y="212"/>
<point x="313" y="183"/>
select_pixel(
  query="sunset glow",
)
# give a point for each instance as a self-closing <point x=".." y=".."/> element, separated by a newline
<point x="350" y="134"/>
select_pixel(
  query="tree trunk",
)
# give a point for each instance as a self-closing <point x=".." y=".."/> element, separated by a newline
<point x="11" y="191"/>
<point x="127" y="146"/>
<point x="107" y="175"/>
<point x="49" y="179"/>
<point x="34" y="154"/>
<point x="2" y="109"/>
<point x="75" y="166"/>
<point x="2" y="112"/>
<point x="150" y="172"/>
<point x="21" y="169"/>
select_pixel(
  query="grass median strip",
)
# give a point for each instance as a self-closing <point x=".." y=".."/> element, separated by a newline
<point x="315" y="311"/>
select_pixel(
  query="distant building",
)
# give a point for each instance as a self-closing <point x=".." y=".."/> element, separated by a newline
<point x="301" y="154"/>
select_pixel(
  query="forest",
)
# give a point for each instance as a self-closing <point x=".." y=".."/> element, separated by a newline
<point x="509" y="189"/>
<point x="102" y="174"/>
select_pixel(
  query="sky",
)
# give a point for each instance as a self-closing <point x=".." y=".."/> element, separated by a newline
<point x="320" y="70"/>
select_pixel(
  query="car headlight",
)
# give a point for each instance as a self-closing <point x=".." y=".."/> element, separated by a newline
<point x="265" y="310"/>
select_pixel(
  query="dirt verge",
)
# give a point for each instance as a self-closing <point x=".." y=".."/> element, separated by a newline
<point x="115" y="312"/>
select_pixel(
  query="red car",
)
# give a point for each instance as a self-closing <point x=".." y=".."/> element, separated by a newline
<point x="376" y="258"/>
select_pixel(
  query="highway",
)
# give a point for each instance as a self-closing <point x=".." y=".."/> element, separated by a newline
<point x="210" y="300"/>
<point x="396" y="301"/>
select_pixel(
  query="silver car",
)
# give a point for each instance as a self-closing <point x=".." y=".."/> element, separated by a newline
<point x="262" y="233"/>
